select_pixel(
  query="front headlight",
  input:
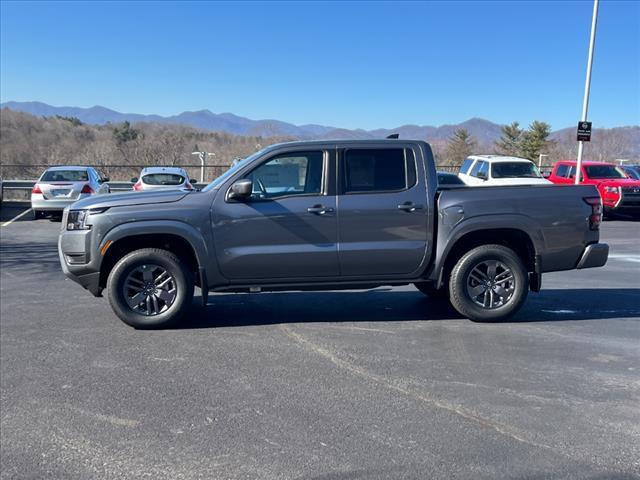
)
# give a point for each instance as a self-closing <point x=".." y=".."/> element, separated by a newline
<point x="612" y="190"/>
<point x="76" y="220"/>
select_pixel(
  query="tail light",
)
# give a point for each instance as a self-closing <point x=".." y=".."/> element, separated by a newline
<point x="36" y="189"/>
<point x="137" y="186"/>
<point x="86" y="189"/>
<point x="595" y="219"/>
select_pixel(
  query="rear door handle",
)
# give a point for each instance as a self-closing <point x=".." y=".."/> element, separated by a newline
<point x="409" y="207"/>
<point x="319" y="210"/>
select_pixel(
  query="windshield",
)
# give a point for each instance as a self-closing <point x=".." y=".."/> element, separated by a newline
<point x="237" y="165"/>
<point x="514" y="170"/>
<point x="604" y="171"/>
<point x="65" y="176"/>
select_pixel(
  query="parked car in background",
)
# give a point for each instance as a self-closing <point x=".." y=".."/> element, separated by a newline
<point x="59" y="187"/>
<point x="448" y="178"/>
<point x="1" y="191"/>
<point x="152" y="178"/>
<point x="492" y="170"/>
<point x="619" y="193"/>
<point x="324" y="215"/>
<point x="632" y="171"/>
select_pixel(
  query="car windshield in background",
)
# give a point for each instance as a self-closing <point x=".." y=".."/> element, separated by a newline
<point x="234" y="168"/>
<point x="65" y="176"/>
<point x="632" y="172"/>
<point x="604" y="171"/>
<point x="514" y="170"/>
<point x="163" y="179"/>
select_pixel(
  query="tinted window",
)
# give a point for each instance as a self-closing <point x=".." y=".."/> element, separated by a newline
<point x="369" y="170"/>
<point x="288" y="174"/>
<point x="476" y="167"/>
<point x="466" y="165"/>
<point x="514" y="170"/>
<point x="562" y="170"/>
<point x="632" y="172"/>
<point x="604" y="171"/>
<point x="163" y="179"/>
<point x="65" y="176"/>
<point x="449" y="179"/>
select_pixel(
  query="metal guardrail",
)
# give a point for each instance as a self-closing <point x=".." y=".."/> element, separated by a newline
<point x="113" y="186"/>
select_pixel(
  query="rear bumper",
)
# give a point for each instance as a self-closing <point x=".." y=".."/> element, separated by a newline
<point x="595" y="255"/>
<point x="52" y="205"/>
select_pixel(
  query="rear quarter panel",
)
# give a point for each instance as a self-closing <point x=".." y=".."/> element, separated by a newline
<point x="555" y="217"/>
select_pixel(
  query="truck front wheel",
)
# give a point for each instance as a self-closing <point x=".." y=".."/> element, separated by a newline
<point x="150" y="288"/>
<point x="489" y="283"/>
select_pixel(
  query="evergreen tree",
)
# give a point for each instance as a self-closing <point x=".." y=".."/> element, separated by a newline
<point x="510" y="141"/>
<point x="460" y="146"/>
<point x="125" y="133"/>
<point x="535" y="140"/>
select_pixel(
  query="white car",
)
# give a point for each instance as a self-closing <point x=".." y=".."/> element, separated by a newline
<point x="489" y="170"/>
<point x="152" y="178"/>
<point x="59" y="187"/>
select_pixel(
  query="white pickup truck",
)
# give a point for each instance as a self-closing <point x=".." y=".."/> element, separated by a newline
<point x="496" y="170"/>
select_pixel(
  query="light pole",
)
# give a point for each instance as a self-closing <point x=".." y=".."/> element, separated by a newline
<point x="540" y="159"/>
<point x="203" y="157"/>
<point x="587" y="86"/>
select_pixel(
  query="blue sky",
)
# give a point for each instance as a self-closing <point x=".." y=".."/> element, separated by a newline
<point x="360" y="64"/>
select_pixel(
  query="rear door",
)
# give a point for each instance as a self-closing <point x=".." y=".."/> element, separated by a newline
<point x="288" y="227"/>
<point x="382" y="211"/>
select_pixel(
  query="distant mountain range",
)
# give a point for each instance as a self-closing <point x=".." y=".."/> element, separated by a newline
<point x="484" y="131"/>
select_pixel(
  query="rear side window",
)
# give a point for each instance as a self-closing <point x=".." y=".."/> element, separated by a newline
<point x="562" y="170"/>
<point x="163" y="179"/>
<point x="466" y="165"/>
<point x="379" y="170"/>
<point x="65" y="176"/>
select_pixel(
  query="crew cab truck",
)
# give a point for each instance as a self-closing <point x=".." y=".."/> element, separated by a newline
<point x="619" y="192"/>
<point x="329" y="215"/>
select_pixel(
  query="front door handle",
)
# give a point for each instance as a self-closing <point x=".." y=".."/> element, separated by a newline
<point x="319" y="209"/>
<point x="409" y="207"/>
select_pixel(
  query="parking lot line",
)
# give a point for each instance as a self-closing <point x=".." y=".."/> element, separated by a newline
<point x="9" y="222"/>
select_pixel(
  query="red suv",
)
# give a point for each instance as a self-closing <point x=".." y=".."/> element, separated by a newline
<point x="619" y="193"/>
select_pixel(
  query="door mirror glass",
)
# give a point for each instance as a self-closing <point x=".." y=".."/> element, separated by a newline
<point x="104" y="179"/>
<point x="482" y="175"/>
<point x="241" y="189"/>
<point x="134" y="179"/>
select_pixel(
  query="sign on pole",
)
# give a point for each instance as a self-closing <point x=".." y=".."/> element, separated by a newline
<point x="584" y="131"/>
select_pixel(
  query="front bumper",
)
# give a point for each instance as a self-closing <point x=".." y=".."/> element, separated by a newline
<point x="74" y="251"/>
<point x="595" y="255"/>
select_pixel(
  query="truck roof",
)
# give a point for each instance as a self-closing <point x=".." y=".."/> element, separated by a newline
<point x="368" y="141"/>
<point x="584" y="162"/>
<point x="499" y="158"/>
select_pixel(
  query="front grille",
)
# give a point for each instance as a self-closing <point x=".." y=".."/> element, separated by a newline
<point x="631" y="196"/>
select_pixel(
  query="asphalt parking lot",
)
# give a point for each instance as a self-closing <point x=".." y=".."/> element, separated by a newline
<point x="336" y="385"/>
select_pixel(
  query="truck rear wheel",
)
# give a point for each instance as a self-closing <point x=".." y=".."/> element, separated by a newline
<point x="489" y="283"/>
<point x="150" y="288"/>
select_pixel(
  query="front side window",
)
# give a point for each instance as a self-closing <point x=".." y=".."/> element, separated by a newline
<point x="379" y="170"/>
<point x="298" y="173"/>
<point x="476" y="168"/>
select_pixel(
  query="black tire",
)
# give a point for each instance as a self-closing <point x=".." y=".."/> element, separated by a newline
<point x="462" y="284"/>
<point x="431" y="291"/>
<point x="38" y="214"/>
<point x="182" y="280"/>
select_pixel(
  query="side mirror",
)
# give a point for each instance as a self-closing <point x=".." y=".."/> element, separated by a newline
<point x="134" y="179"/>
<point x="483" y="176"/>
<point x="241" y="189"/>
<point x="105" y="179"/>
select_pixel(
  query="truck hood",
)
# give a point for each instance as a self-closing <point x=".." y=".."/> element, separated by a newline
<point x="131" y="198"/>
<point x="617" y="182"/>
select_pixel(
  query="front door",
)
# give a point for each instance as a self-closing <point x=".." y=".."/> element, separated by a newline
<point x="287" y="228"/>
<point x="382" y="212"/>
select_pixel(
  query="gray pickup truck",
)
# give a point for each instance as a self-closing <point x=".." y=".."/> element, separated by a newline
<point x="328" y="215"/>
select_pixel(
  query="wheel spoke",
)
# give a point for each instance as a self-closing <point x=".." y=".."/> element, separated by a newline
<point x="149" y="305"/>
<point x="136" y="300"/>
<point x="147" y="274"/>
<point x="492" y="265"/>
<point x="501" y="292"/>
<point x="156" y="308"/>
<point x="478" y="275"/>
<point x="160" y="279"/>
<point x="477" y="290"/>
<point x="167" y="296"/>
